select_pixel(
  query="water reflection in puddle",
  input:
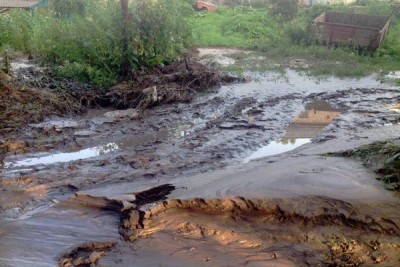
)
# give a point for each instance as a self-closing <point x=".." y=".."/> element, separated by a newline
<point x="395" y="107"/>
<point x="306" y="126"/>
<point x="176" y="132"/>
<point x="65" y="157"/>
<point x="277" y="147"/>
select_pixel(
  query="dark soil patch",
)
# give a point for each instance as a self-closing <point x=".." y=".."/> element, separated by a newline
<point x="175" y="83"/>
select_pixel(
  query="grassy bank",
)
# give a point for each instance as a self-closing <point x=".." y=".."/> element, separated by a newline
<point x="280" y="38"/>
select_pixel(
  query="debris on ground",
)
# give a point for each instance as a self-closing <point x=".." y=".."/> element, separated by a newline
<point x="20" y="106"/>
<point x="35" y="93"/>
<point x="86" y="254"/>
<point x="175" y="83"/>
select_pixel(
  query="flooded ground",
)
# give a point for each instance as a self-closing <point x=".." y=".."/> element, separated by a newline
<point x="238" y="173"/>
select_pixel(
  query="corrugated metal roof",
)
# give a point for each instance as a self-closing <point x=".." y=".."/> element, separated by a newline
<point x="18" y="3"/>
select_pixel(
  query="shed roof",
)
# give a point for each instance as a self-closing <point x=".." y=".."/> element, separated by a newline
<point x="18" y="3"/>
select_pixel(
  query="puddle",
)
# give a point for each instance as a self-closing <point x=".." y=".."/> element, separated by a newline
<point x="393" y="75"/>
<point x="57" y="123"/>
<point x="64" y="157"/>
<point x="391" y="124"/>
<point x="177" y="132"/>
<point x="278" y="147"/>
<point x="306" y="126"/>
<point x="275" y="84"/>
<point x="395" y="107"/>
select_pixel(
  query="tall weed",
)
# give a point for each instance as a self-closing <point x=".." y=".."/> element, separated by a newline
<point x="83" y="38"/>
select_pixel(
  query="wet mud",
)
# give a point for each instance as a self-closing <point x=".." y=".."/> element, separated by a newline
<point x="263" y="232"/>
<point x="235" y="177"/>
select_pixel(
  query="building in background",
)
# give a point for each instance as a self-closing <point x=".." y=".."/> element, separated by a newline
<point x="31" y="5"/>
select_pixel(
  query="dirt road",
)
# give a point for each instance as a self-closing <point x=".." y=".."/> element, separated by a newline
<point x="238" y="179"/>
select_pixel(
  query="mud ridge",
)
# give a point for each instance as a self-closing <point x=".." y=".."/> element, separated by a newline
<point x="127" y="206"/>
<point x="323" y="230"/>
<point x="333" y="212"/>
<point x="87" y="254"/>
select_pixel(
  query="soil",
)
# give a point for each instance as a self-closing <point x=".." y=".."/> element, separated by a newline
<point x="232" y="175"/>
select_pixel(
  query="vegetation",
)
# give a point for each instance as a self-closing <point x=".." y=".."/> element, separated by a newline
<point x="83" y="38"/>
<point x="279" y="33"/>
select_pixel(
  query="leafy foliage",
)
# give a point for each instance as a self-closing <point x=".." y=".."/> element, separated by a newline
<point x="83" y="38"/>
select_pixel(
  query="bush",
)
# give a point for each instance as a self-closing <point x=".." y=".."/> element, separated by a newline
<point x="296" y="34"/>
<point x="87" y="45"/>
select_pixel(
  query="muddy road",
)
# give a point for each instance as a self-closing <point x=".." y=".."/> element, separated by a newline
<point x="234" y="178"/>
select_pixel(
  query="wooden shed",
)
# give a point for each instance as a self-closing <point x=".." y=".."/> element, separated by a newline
<point x="366" y="31"/>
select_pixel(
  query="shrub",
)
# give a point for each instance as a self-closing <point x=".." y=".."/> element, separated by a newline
<point x="296" y="34"/>
<point x="87" y="45"/>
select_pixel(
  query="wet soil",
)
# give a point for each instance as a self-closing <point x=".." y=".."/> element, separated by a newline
<point x="160" y="187"/>
<point x="262" y="232"/>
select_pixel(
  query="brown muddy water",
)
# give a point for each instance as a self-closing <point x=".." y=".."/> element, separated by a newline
<point x="235" y="178"/>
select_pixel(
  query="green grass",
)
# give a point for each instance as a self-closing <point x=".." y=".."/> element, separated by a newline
<point x="280" y="41"/>
<point x="207" y="32"/>
<point x="235" y="27"/>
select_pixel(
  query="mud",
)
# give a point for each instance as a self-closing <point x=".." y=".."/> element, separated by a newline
<point x="382" y="157"/>
<point x="87" y="254"/>
<point x="308" y="209"/>
<point x="263" y="232"/>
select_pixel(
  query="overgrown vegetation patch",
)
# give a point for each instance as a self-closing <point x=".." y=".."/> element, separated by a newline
<point x="83" y="39"/>
<point x="282" y="33"/>
<point x="383" y="157"/>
